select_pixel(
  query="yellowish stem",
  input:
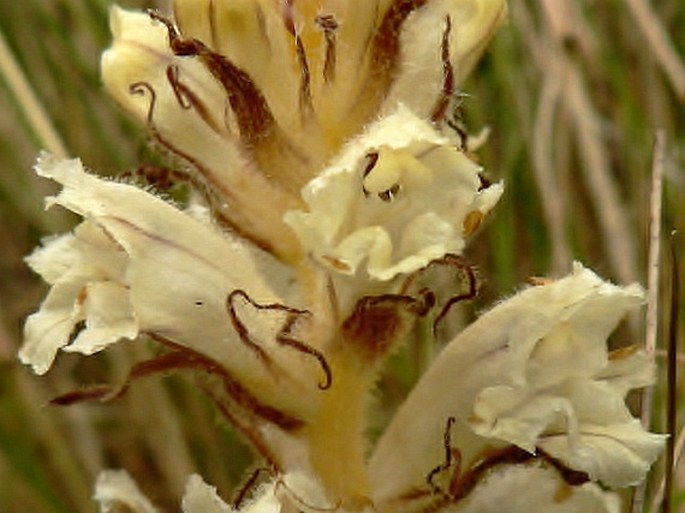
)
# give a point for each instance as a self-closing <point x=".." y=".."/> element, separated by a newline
<point x="336" y="435"/>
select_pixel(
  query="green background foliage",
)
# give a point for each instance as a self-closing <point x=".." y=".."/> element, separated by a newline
<point x="573" y="94"/>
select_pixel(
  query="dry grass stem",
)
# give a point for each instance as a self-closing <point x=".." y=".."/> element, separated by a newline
<point x="654" y="242"/>
<point x="653" y="265"/>
<point x="82" y="431"/>
<point x="660" y="43"/>
<point x="161" y="423"/>
<point x="73" y="481"/>
<point x="678" y="452"/>
<point x="554" y="204"/>
<point x="659" y="494"/>
<point x="29" y="102"/>
<point x="616" y="234"/>
<point x="553" y="199"/>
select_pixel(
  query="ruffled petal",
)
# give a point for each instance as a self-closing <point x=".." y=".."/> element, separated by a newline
<point x="289" y="492"/>
<point x="628" y="368"/>
<point x="496" y="382"/>
<point x="583" y="423"/>
<point x="116" y="491"/>
<point x="199" y="497"/>
<point x="397" y="198"/>
<point x="618" y="454"/>
<point x="139" y="265"/>
<point x="86" y="270"/>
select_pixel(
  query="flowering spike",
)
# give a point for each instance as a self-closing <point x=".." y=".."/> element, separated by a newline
<point x="330" y="192"/>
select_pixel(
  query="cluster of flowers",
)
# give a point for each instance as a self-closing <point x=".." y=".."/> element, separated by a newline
<point x="330" y="175"/>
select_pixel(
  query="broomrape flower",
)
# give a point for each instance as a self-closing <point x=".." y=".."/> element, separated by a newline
<point x="332" y="180"/>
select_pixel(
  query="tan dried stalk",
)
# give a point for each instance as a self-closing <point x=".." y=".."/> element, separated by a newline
<point x="28" y="101"/>
<point x="653" y="267"/>
<point x="660" y="43"/>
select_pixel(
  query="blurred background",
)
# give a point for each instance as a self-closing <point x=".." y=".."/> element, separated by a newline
<point x="574" y="94"/>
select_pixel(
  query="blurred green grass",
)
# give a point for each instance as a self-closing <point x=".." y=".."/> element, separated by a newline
<point x="573" y="93"/>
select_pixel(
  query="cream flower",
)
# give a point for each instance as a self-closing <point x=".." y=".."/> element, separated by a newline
<point x="116" y="491"/>
<point x="236" y="294"/>
<point x="316" y="135"/>
<point x="137" y="265"/>
<point x="533" y="373"/>
<point x="199" y="497"/>
<point x="257" y="96"/>
<point x="545" y="489"/>
<point x="399" y="197"/>
<point x="524" y="408"/>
